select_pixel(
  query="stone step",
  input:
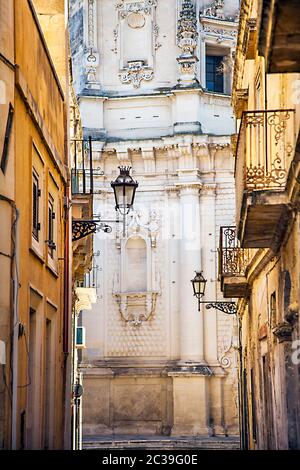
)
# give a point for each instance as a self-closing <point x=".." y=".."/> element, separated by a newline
<point x="160" y="442"/>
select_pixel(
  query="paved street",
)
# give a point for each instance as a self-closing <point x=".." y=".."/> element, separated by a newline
<point x="160" y="443"/>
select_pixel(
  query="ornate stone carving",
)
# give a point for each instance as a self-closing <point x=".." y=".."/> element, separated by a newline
<point x="292" y="313"/>
<point x="150" y="228"/>
<point x="116" y="35"/>
<point x="157" y="44"/>
<point x="136" y="15"/>
<point x="225" y="361"/>
<point x="135" y="73"/>
<point x="91" y="56"/>
<point x="136" y="307"/>
<point x="214" y="10"/>
<point x="136" y="20"/>
<point x="220" y="32"/>
<point x="187" y="28"/>
<point x="85" y="297"/>
<point x="187" y="35"/>
<point x="126" y="9"/>
<point x="283" y="332"/>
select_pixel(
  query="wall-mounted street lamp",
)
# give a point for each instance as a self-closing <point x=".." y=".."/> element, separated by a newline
<point x="124" y="188"/>
<point x="199" y="285"/>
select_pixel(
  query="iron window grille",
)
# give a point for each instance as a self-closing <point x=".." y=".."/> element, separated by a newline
<point x="36" y="193"/>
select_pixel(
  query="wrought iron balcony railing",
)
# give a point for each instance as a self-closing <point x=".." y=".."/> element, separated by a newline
<point x="265" y="149"/>
<point x="233" y="260"/>
<point x="82" y="172"/>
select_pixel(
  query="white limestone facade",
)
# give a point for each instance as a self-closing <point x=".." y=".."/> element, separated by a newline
<point x="153" y="363"/>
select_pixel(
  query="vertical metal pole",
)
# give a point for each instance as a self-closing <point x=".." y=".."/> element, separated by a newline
<point x="91" y="166"/>
<point x="124" y="225"/>
<point x="75" y="155"/>
<point x="15" y="351"/>
<point x="124" y="216"/>
<point x="83" y="167"/>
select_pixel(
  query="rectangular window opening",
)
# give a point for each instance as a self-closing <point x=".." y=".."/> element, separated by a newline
<point x="214" y="73"/>
<point x="7" y="137"/>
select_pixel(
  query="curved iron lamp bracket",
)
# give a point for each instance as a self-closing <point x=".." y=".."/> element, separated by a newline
<point x="229" y="308"/>
<point x="226" y="307"/>
<point x="83" y="228"/>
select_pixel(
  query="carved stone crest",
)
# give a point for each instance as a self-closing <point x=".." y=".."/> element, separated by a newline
<point x="135" y="73"/>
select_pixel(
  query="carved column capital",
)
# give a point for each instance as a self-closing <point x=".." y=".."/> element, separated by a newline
<point x="189" y="188"/>
<point x="208" y="190"/>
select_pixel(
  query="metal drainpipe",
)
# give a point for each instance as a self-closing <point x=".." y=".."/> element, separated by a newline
<point x="15" y="340"/>
<point x="67" y="318"/>
<point x="14" y="350"/>
<point x="241" y="400"/>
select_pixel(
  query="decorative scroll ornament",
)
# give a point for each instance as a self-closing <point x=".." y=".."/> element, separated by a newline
<point x="126" y="9"/>
<point x="187" y="35"/>
<point x="234" y="260"/>
<point x="229" y="343"/>
<point x="274" y="125"/>
<point x="135" y="73"/>
<point x="136" y="307"/>
<point x="225" y="361"/>
<point x="82" y="228"/>
<point x="226" y="307"/>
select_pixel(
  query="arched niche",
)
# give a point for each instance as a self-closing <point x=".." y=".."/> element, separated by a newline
<point x="136" y="289"/>
<point x="136" y="265"/>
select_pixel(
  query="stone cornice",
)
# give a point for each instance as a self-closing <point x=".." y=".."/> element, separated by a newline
<point x="189" y="187"/>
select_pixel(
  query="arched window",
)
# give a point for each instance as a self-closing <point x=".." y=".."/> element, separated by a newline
<point x="136" y="265"/>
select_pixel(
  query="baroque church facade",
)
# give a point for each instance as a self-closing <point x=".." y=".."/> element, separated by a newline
<point x="153" y="81"/>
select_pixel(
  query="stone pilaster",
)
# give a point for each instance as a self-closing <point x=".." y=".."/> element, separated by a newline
<point x="190" y="404"/>
<point x="191" y="321"/>
<point x="208" y="229"/>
